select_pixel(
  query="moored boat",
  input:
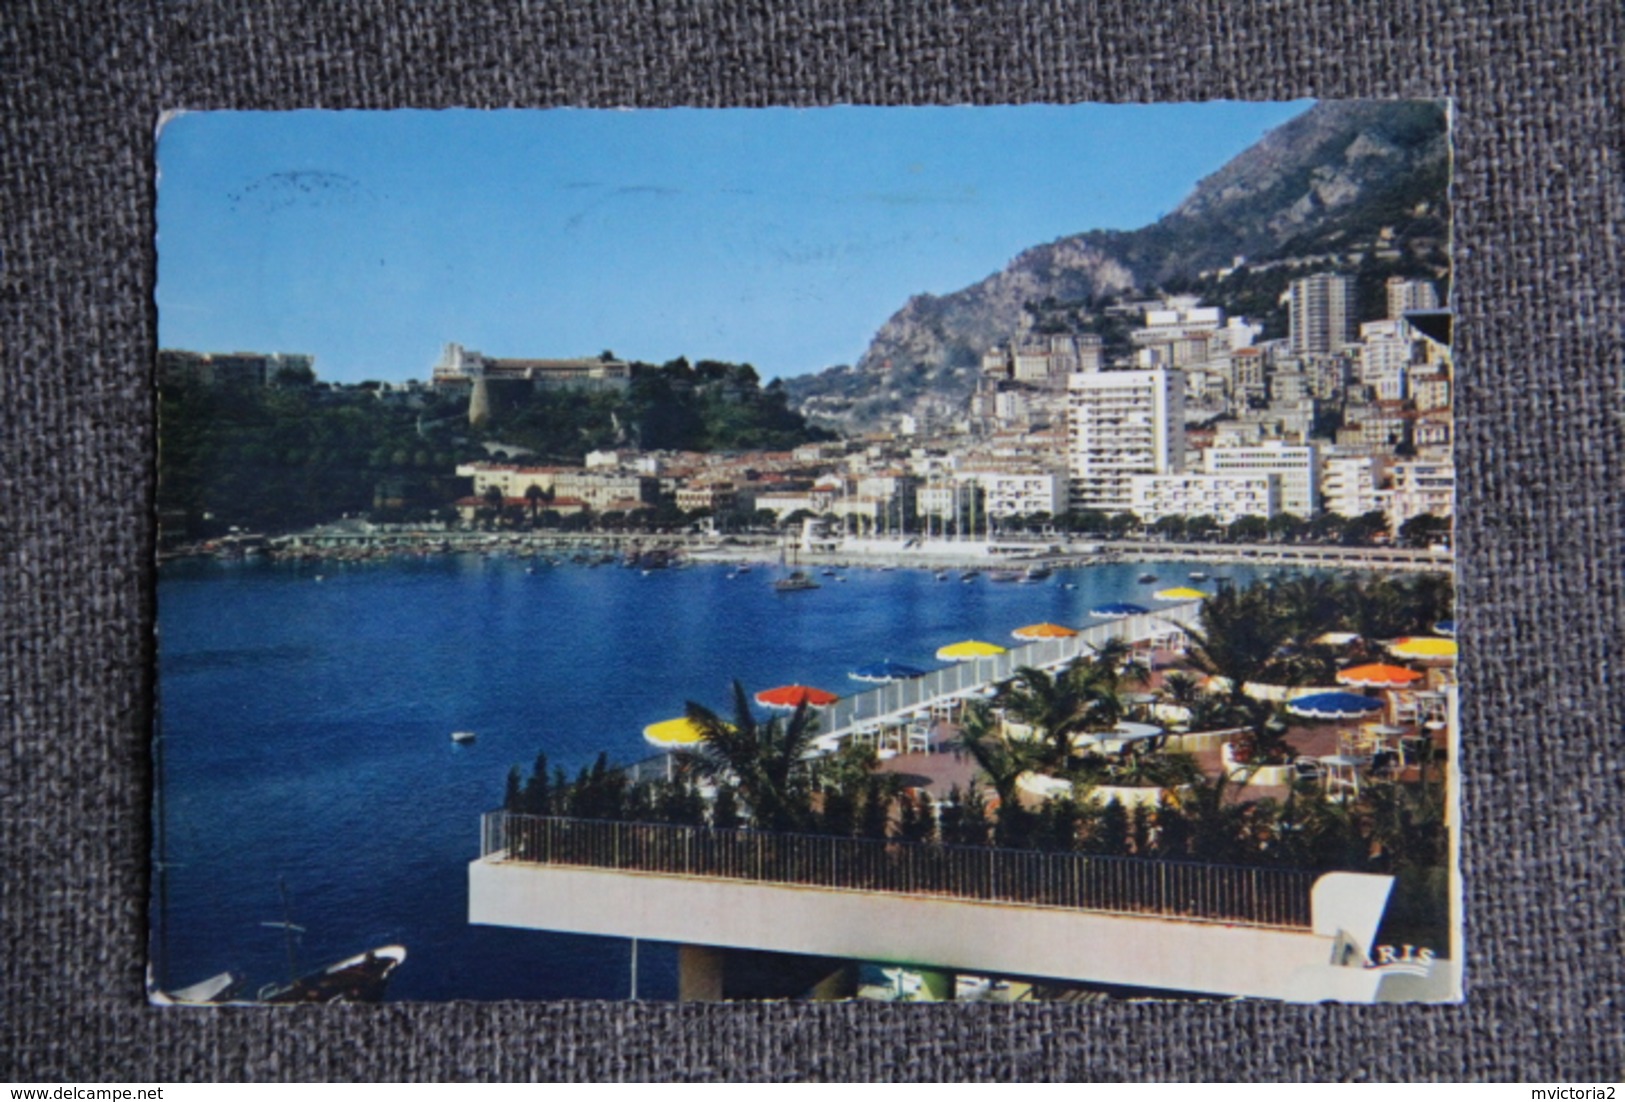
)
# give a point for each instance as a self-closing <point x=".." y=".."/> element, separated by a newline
<point x="358" y="979"/>
<point x="796" y="580"/>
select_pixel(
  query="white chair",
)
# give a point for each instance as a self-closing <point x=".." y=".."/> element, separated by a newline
<point x="919" y="738"/>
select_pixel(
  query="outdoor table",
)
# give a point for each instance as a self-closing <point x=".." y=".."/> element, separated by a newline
<point x="1341" y="769"/>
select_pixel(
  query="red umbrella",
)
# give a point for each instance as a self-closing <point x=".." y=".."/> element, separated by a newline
<point x="794" y="696"/>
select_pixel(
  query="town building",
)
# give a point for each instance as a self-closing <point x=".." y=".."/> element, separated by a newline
<point x="230" y="369"/>
<point x="1420" y="487"/>
<point x="1121" y="424"/>
<point x="1322" y="313"/>
<point x="1405" y="295"/>
<point x="458" y="369"/>
<point x="1385" y="358"/>
<point x="1224" y="497"/>
<point x="711" y="497"/>
<point x="1350" y="485"/>
<point x="1008" y="494"/>
<point x="1295" y="465"/>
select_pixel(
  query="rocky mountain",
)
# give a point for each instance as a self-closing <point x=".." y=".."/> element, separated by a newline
<point x="1359" y="186"/>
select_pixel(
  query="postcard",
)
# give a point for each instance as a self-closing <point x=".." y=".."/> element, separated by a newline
<point x="906" y="554"/>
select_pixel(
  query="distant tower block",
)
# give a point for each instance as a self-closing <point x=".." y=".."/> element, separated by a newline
<point x="479" y="402"/>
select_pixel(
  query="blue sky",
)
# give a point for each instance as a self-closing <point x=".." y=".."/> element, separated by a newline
<point x="779" y="237"/>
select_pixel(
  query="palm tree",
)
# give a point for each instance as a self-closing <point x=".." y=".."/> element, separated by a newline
<point x="1242" y="632"/>
<point x="1000" y="759"/>
<point x="534" y="496"/>
<point x="764" y="760"/>
<point x="493" y="501"/>
<point x="1003" y="762"/>
<point x="1052" y="706"/>
<point x="1086" y="696"/>
<point x="1116" y="658"/>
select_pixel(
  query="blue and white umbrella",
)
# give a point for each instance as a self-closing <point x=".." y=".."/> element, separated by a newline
<point x="1113" y="612"/>
<point x="882" y="673"/>
<point x="1445" y="627"/>
<point x="1333" y="705"/>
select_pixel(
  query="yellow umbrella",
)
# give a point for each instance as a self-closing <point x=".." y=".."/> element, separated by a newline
<point x="1043" y="631"/>
<point x="1180" y="593"/>
<point x="1423" y="646"/>
<point x="970" y="648"/>
<point x="674" y="734"/>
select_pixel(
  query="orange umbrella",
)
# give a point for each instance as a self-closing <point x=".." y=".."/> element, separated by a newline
<point x="794" y="696"/>
<point x="1043" y="631"/>
<point x="1378" y="675"/>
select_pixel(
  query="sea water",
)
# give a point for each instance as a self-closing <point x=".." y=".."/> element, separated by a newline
<point x="308" y="777"/>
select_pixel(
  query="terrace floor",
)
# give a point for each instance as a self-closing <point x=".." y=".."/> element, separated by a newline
<point x="938" y="772"/>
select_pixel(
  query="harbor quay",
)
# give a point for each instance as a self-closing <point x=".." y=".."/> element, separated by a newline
<point x="362" y="540"/>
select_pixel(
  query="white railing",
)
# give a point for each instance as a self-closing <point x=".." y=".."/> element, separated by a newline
<point x="887" y="702"/>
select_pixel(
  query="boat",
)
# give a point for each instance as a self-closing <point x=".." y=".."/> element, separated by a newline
<point x="942" y="575"/>
<point x="1036" y="574"/>
<point x="462" y="736"/>
<point x="358" y="979"/>
<point x="1003" y="576"/>
<point x="794" y="581"/>
<point x="1198" y="575"/>
<point x="213" y="991"/>
<point x="970" y="575"/>
<point x="1147" y="579"/>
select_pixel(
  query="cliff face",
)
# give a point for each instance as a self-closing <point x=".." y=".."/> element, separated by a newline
<point x="1319" y="186"/>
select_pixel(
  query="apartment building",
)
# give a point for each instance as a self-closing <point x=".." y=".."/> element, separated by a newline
<point x="1295" y="465"/>
<point x="1224" y="497"/>
<point x="1121" y="424"/>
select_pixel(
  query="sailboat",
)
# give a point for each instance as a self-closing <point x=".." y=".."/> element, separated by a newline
<point x="795" y="581"/>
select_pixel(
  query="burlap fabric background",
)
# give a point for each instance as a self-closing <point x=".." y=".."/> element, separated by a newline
<point x="1539" y="194"/>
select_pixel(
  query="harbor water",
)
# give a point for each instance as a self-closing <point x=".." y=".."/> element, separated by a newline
<point x="308" y="775"/>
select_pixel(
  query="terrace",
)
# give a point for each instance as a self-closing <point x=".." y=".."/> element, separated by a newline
<point x="945" y="882"/>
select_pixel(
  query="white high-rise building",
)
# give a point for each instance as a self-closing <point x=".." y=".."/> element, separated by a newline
<point x="1421" y="487"/>
<point x="1350" y="485"/>
<point x="1322" y="313"/>
<point x="1410" y="294"/>
<point x="1120" y="424"/>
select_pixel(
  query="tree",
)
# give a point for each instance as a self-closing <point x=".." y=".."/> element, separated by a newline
<point x="1241" y="633"/>
<point x="1364" y="529"/>
<point x="1247" y="529"/>
<point x="534" y="496"/>
<point x="294" y="375"/>
<point x="1285" y="527"/>
<point x="1000" y="760"/>
<point x="1170" y="527"/>
<point x="1425" y="530"/>
<point x="1120" y="525"/>
<point x="491" y="510"/>
<point x="1201" y="528"/>
<point x="763" y="760"/>
<point x="1327" y="528"/>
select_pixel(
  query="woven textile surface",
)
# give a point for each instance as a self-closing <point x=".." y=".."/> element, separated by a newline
<point x="1540" y="266"/>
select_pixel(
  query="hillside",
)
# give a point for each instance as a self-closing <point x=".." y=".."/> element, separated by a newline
<point x="1359" y="186"/>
